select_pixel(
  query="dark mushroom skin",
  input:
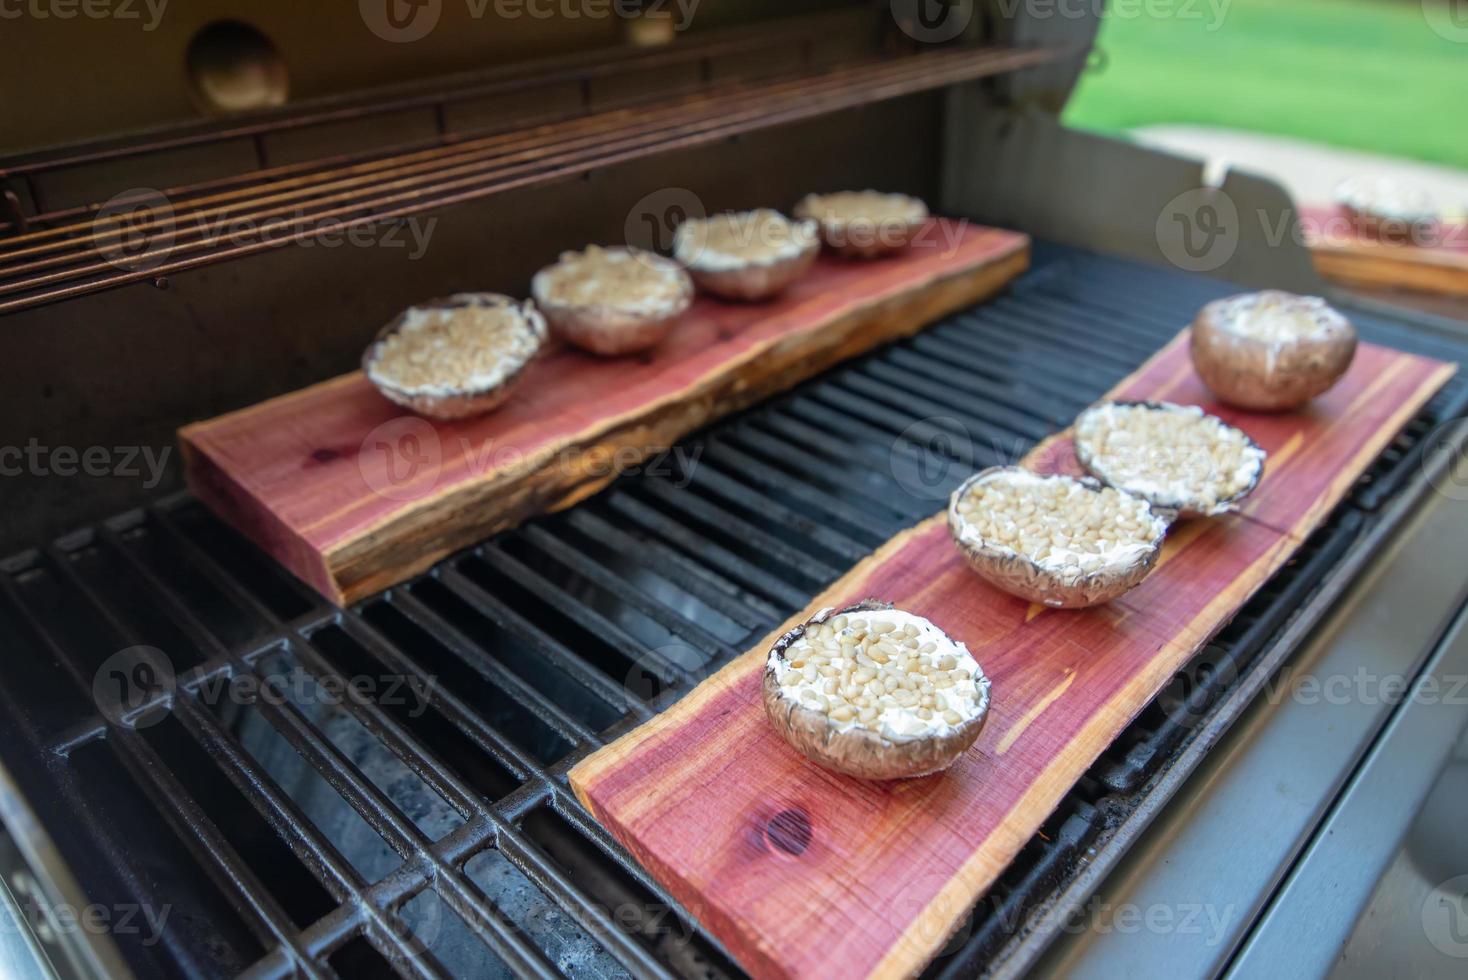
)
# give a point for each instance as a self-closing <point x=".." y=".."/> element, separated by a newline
<point x="1270" y="375"/>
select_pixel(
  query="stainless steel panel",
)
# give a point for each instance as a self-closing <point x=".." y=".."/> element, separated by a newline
<point x="1212" y="859"/>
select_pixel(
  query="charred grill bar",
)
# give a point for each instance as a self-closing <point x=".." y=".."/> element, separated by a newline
<point x="313" y="839"/>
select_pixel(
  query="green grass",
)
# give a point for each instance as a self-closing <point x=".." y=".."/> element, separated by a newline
<point x="1364" y="74"/>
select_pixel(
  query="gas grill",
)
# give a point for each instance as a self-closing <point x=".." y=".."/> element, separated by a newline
<point x="261" y="816"/>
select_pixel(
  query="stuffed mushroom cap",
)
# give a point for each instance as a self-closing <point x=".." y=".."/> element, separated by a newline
<point x="455" y="357"/>
<point x="826" y="691"/>
<point x="1179" y="459"/>
<point x="1271" y="351"/>
<point x="746" y="255"/>
<point x="864" y="224"/>
<point x="1387" y="206"/>
<point x="1056" y="540"/>
<point x="612" y="301"/>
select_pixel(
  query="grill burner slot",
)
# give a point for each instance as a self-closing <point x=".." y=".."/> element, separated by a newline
<point x="319" y="836"/>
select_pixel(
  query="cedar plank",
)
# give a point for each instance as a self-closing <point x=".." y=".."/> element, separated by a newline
<point x="891" y="868"/>
<point x="296" y="473"/>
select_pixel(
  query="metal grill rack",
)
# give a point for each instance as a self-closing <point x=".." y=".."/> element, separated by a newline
<point x="431" y="834"/>
<point x="140" y="236"/>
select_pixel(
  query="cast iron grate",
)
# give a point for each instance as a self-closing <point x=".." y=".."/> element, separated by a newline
<point x="427" y="828"/>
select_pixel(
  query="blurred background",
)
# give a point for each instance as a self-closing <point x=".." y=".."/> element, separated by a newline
<point x="1282" y="86"/>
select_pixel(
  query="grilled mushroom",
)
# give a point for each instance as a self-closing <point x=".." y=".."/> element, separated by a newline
<point x="1271" y="351"/>
<point x="864" y="224"/>
<point x="1056" y="540"/>
<point x="1387" y="207"/>
<point x="875" y="692"/>
<point x="612" y="301"/>
<point x="746" y="255"/>
<point x="1173" y="456"/>
<point x="454" y="357"/>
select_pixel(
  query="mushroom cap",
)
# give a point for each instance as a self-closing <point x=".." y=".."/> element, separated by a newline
<point x="1060" y="588"/>
<point x="1387" y="207"/>
<point x="1178" y="507"/>
<point x="850" y="233"/>
<point x="438" y="401"/>
<point x="1266" y="374"/>
<point x="747" y="278"/>
<point x="857" y="750"/>
<point x="613" y="329"/>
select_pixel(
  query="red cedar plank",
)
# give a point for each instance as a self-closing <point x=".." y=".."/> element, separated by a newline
<point x="892" y="868"/>
<point x="295" y="473"/>
<point x="1346" y="255"/>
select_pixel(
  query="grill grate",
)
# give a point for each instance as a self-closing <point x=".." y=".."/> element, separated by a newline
<point x="429" y="829"/>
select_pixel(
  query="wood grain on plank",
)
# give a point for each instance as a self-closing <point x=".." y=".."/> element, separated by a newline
<point x="890" y="869"/>
<point x="353" y="494"/>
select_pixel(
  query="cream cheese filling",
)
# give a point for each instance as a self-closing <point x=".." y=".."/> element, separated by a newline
<point x="1170" y="455"/>
<point x="874" y="656"/>
<point x="736" y="240"/>
<point x="1058" y="535"/>
<point x="446" y="351"/>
